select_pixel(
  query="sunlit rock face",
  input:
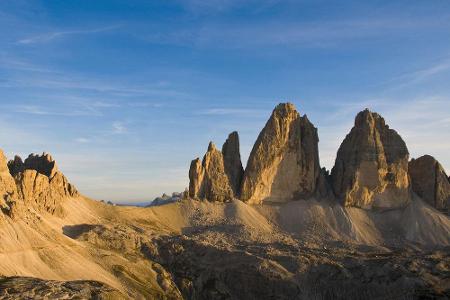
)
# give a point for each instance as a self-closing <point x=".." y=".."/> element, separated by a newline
<point x="371" y="168"/>
<point x="8" y="188"/>
<point x="208" y="180"/>
<point x="284" y="162"/>
<point x="430" y="182"/>
<point x="38" y="184"/>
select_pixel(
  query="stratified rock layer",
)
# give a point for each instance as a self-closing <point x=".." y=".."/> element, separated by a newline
<point x="371" y="169"/>
<point x="430" y="182"/>
<point x="232" y="162"/>
<point x="208" y="180"/>
<point x="284" y="162"/>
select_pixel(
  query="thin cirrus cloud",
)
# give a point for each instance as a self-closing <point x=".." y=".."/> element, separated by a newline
<point x="66" y="107"/>
<point x="50" y="36"/>
<point x="82" y="140"/>
<point x="39" y="110"/>
<point x="423" y="74"/>
<point x="293" y="33"/>
<point x="119" y="128"/>
<point x="29" y="75"/>
<point x="232" y="112"/>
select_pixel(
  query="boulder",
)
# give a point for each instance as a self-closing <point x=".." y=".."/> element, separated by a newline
<point x="284" y="162"/>
<point x="208" y="180"/>
<point x="430" y="182"/>
<point x="371" y="168"/>
<point x="232" y="162"/>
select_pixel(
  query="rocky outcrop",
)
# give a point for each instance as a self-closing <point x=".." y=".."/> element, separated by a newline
<point x="232" y="162"/>
<point x="35" y="288"/>
<point x="371" y="168"/>
<point x="41" y="184"/>
<point x="284" y="162"/>
<point x="43" y="164"/>
<point x="324" y="189"/>
<point x="8" y="188"/>
<point x="430" y="182"/>
<point x="208" y="180"/>
<point x="34" y="183"/>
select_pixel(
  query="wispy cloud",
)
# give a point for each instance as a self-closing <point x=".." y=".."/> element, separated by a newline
<point x="423" y="74"/>
<point x="49" y="36"/>
<point x="119" y="127"/>
<point x="65" y="106"/>
<point x="233" y="111"/>
<point x="11" y="62"/>
<point x="200" y="7"/>
<point x="82" y="140"/>
<point x="62" y="81"/>
<point x="241" y="35"/>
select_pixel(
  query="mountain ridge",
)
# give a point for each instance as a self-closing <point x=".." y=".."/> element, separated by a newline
<point x="208" y="244"/>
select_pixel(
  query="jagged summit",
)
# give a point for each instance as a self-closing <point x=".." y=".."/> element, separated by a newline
<point x="371" y="168"/>
<point x="43" y="164"/>
<point x="232" y="162"/>
<point x="284" y="162"/>
<point x="430" y="182"/>
<point x="208" y="179"/>
<point x="34" y="183"/>
<point x="370" y="171"/>
<point x="211" y="146"/>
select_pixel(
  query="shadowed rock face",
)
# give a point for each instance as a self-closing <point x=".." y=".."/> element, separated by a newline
<point x="208" y="179"/>
<point x="284" y="162"/>
<point x="429" y="181"/>
<point x="371" y="168"/>
<point x="43" y="164"/>
<point x="232" y="162"/>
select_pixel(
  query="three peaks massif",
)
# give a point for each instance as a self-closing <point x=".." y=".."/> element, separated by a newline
<point x="375" y="227"/>
<point x="372" y="168"/>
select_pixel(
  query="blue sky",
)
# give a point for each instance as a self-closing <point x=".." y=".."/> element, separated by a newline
<point x="125" y="93"/>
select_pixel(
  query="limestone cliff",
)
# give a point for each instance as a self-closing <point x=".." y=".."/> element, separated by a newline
<point x="8" y="188"/>
<point x="284" y="162"/>
<point x="36" y="183"/>
<point x="430" y="182"/>
<point x="371" y="168"/>
<point x="208" y="180"/>
<point x="232" y="162"/>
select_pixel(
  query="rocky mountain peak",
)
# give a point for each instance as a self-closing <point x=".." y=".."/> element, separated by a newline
<point x="371" y="168"/>
<point x="43" y="164"/>
<point x="232" y="161"/>
<point x="208" y="179"/>
<point x="35" y="182"/>
<point x="212" y="147"/>
<point x="284" y="162"/>
<point x="430" y="182"/>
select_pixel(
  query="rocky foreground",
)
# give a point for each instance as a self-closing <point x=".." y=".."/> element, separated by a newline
<point x="376" y="227"/>
<point x="33" y="288"/>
